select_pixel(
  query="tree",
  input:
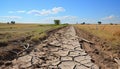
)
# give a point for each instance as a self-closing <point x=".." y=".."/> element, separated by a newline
<point x="83" y="23"/>
<point x="57" y="22"/>
<point x="99" y="22"/>
<point x="111" y="23"/>
<point x="12" y="22"/>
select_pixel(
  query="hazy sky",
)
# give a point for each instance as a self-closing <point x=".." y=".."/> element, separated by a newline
<point x="68" y="11"/>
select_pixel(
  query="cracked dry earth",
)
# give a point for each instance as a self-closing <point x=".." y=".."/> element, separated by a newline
<point x="61" y="50"/>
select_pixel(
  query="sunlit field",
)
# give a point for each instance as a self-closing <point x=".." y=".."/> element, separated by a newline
<point x="14" y="31"/>
<point x="109" y="33"/>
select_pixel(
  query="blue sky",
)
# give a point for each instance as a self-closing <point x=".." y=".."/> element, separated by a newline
<point x="68" y="11"/>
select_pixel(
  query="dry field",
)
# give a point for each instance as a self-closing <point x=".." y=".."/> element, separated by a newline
<point x="14" y="36"/>
<point x="106" y="39"/>
<point x="10" y="32"/>
<point x="110" y="33"/>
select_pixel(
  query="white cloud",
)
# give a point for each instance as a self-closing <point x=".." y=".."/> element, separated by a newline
<point x="37" y="12"/>
<point x="68" y="19"/>
<point x="54" y="10"/>
<point x="45" y="12"/>
<point x="33" y="12"/>
<point x="57" y="9"/>
<point x="64" y="19"/>
<point x="109" y="17"/>
<point x="20" y="11"/>
<point x="11" y="17"/>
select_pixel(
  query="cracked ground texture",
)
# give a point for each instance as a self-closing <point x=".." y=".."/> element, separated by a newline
<point x="61" y="50"/>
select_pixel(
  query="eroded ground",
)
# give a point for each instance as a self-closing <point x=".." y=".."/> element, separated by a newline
<point x="61" y="50"/>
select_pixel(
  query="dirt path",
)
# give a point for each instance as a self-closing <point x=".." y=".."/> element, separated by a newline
<point x="61" y="50"/>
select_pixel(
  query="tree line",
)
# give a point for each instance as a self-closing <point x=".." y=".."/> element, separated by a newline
<point x="12" y="22"/>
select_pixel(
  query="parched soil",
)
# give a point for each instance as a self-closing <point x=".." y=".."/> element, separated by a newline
<point x="14" y="48"/>
<point x="64" y="48"/>
<point x="100" y="51"/>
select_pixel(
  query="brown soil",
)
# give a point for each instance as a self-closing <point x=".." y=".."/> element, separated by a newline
<point x="9" y="50"/>
<point x="100" y="51"/>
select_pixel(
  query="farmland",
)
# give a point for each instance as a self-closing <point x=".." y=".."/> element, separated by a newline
<point x="110" y="33"/>
<point x="95" y="46"/>
<point x="12" y="36"/>
<point x="10" y="32"/>
<point x="106" y="39"/>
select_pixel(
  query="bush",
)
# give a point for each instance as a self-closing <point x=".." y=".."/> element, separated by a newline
<point x="99" y="22"/>
<point x="57" y="22"/>
<point x="12" y="22"/>
<point x="83" y="23"/>
<point x="111" y="23"/>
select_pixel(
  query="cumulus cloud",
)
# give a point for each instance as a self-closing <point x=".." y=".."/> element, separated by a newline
<point x="109" y="17"/>
<point x="54" y="10"/>
<point x="37" y="12"/>
<point x="64" y="17"/>
<point x="57" y="9"/>
<point x="41" y="12"/>
<point x="11" y="17"/>
<point x="20" y="11"/>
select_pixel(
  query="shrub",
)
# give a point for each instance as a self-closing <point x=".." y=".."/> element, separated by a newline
<point x="111" y="23"/>
<point x="57" y="22"/>
<point x="99" y="22"/>
<point x="83" y="23"/>
<point x="12" y="22"/>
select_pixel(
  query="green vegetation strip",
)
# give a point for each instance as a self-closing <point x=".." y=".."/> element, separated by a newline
<point x="16" y="31"/>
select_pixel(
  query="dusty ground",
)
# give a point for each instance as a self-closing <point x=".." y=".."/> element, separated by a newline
<point x="63" y="49"/>
<point x="100" y="51"/>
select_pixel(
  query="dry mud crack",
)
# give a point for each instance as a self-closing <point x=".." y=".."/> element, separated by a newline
<point x="62" y="50"/>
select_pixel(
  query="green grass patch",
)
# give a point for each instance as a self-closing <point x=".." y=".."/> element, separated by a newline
<point x="10" y="31"/>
